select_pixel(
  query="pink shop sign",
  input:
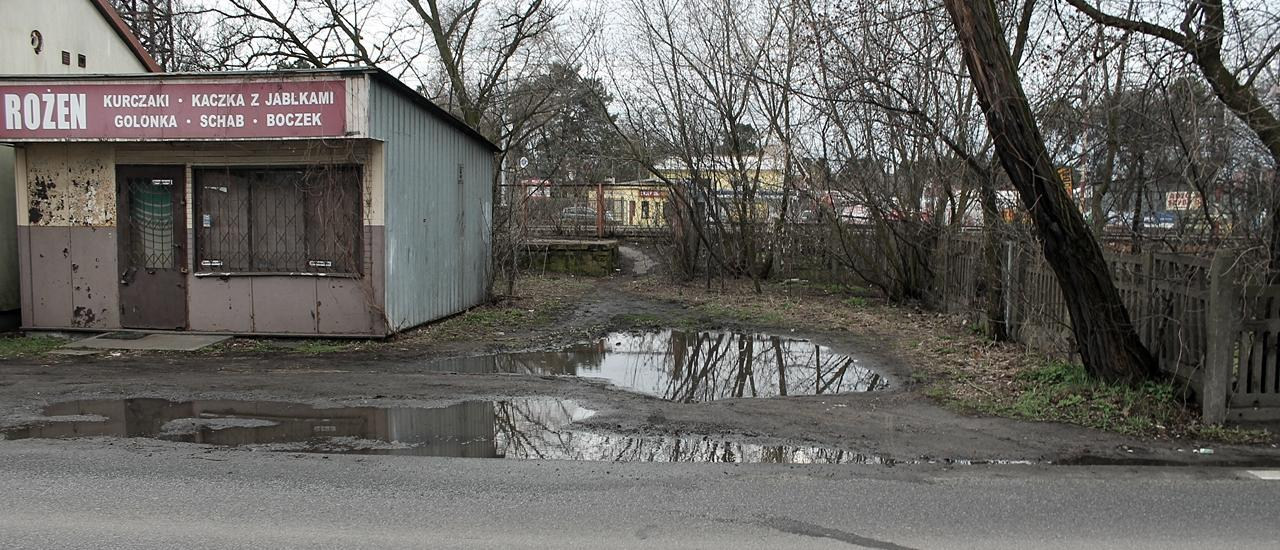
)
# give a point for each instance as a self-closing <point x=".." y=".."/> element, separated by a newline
<point x="161" y="110"/>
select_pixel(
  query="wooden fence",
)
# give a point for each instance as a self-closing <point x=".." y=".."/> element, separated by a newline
<point x="1205" y="325"/>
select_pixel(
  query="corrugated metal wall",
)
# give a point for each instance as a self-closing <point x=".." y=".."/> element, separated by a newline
<point x="438" y="230"/>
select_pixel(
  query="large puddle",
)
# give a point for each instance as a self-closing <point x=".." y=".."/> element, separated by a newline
<point x="693" y="366"/>
<point x="535" y="428"/>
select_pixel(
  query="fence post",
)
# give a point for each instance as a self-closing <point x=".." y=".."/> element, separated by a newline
<point x="1221" y="328"/>
<point x="1008" y="283"/>
<point x="943" y="274"/>
<point x="1145" y="287"/>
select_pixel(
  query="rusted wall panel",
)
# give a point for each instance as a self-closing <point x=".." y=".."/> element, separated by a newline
<point x="51" y="296"/>
<point x="221" y="305"/>
<point x="95" y="278"/>
<point x="343" y="306"/>
<point x="284" y="305"/>
<point x="353" y="306"/>
<point x="377" y="274"/>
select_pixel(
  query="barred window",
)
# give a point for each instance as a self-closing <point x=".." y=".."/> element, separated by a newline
<point x="278" y="220"/>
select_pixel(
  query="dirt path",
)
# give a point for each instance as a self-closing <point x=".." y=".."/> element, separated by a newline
<point x="900" y="424"/>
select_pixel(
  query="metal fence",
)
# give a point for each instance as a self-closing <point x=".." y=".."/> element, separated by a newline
<point x="584" y="214"/>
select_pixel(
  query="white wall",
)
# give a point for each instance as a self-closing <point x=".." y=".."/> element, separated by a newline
<point x="74" y="26"/>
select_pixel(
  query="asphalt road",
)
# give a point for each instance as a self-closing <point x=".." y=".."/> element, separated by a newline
<point x="149" y="494"/>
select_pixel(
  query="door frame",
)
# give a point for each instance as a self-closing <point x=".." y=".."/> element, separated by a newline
<point x="182" y="255"/>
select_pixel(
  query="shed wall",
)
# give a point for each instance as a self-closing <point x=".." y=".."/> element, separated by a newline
<point x="67" y="241"/>
<point x="438" y="211"/>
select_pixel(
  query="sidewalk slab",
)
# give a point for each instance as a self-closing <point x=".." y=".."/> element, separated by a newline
<point x="148" y="341"/>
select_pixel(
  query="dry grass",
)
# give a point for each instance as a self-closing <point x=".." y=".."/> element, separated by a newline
<point x="954" y="363"/>
<point x="537" y="301"/>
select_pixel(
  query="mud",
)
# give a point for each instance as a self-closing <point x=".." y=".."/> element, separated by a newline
<point x="896" y="425"/>
<point x="529" y="428"/>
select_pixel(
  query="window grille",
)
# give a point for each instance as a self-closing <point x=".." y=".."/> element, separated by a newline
<point x="278" y="220"/>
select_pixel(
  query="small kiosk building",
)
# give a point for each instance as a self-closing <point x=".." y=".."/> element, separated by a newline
<point x="317" y="202"/>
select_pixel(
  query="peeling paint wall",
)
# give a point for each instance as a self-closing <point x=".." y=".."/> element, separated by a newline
<point x="70" y="185"/>
<point x="67" y="235"/>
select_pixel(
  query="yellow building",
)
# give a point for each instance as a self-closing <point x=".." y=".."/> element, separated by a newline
<point x="765" y="170"/>
<point x="727" y="175"/>
<point x="639" y="204"/>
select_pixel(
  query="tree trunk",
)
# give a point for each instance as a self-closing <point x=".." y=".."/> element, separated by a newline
<point x="994" y="273"/>
<point x="1105" y="337"/>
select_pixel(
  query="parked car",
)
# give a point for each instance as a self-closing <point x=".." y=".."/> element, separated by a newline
<point x="1150" y="220"/>
<point x="1160" y="220"/>
<point x="584" y="215"/>
<point x="857" y="215"/>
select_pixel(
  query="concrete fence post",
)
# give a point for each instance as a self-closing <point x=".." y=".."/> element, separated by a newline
<point x="1009" y="283"/>
<point x="1222" y="329"/>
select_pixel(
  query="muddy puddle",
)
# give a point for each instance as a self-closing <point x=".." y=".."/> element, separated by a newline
<point x="693" y="367"/>
<point x="534" y="428"/>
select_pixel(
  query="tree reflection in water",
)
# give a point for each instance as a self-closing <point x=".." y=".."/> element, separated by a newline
<point x="704" y="366"/>
<point x="540" y="429"/>
<point x="529" y="428"/>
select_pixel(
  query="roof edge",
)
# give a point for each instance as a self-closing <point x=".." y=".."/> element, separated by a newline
<point x="113" y="17"/>
<point x="422" y="100"/>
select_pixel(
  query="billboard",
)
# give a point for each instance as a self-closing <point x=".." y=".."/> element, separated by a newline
<point x="162" y="110"/>
<point x="1181" y="200"/>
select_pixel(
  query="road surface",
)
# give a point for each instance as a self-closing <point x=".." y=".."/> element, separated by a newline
<point x="148" y="494"/>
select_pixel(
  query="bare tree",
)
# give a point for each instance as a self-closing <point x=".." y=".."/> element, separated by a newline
<point x="1201" y="34"/>
<point x="1108" y="344"/>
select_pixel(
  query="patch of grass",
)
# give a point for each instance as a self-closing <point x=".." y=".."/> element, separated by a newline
<point x="317" y="347"/>
<point x="639" y="320"/>
<point x="745" y="314"/>
<point x="855" y="301"/>
<point x="486" y="320"/>
<point x="1056" y="391"/>
<point x="26" y="346"/>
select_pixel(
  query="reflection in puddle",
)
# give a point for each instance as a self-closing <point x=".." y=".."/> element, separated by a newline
<point x="536" y="428"/>
<point x="693" y="366"/>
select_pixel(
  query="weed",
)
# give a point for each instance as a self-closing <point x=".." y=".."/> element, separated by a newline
<point x="1056" y="391"/>
<point x="639" y="320"/>
<point x="745" y="314"/>
<point x="316" y="347"/>
<point x="855" y="301"/>
<point x="23" y="346"/>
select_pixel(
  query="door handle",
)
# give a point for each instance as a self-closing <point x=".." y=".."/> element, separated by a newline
<point x="128" y="275"/>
